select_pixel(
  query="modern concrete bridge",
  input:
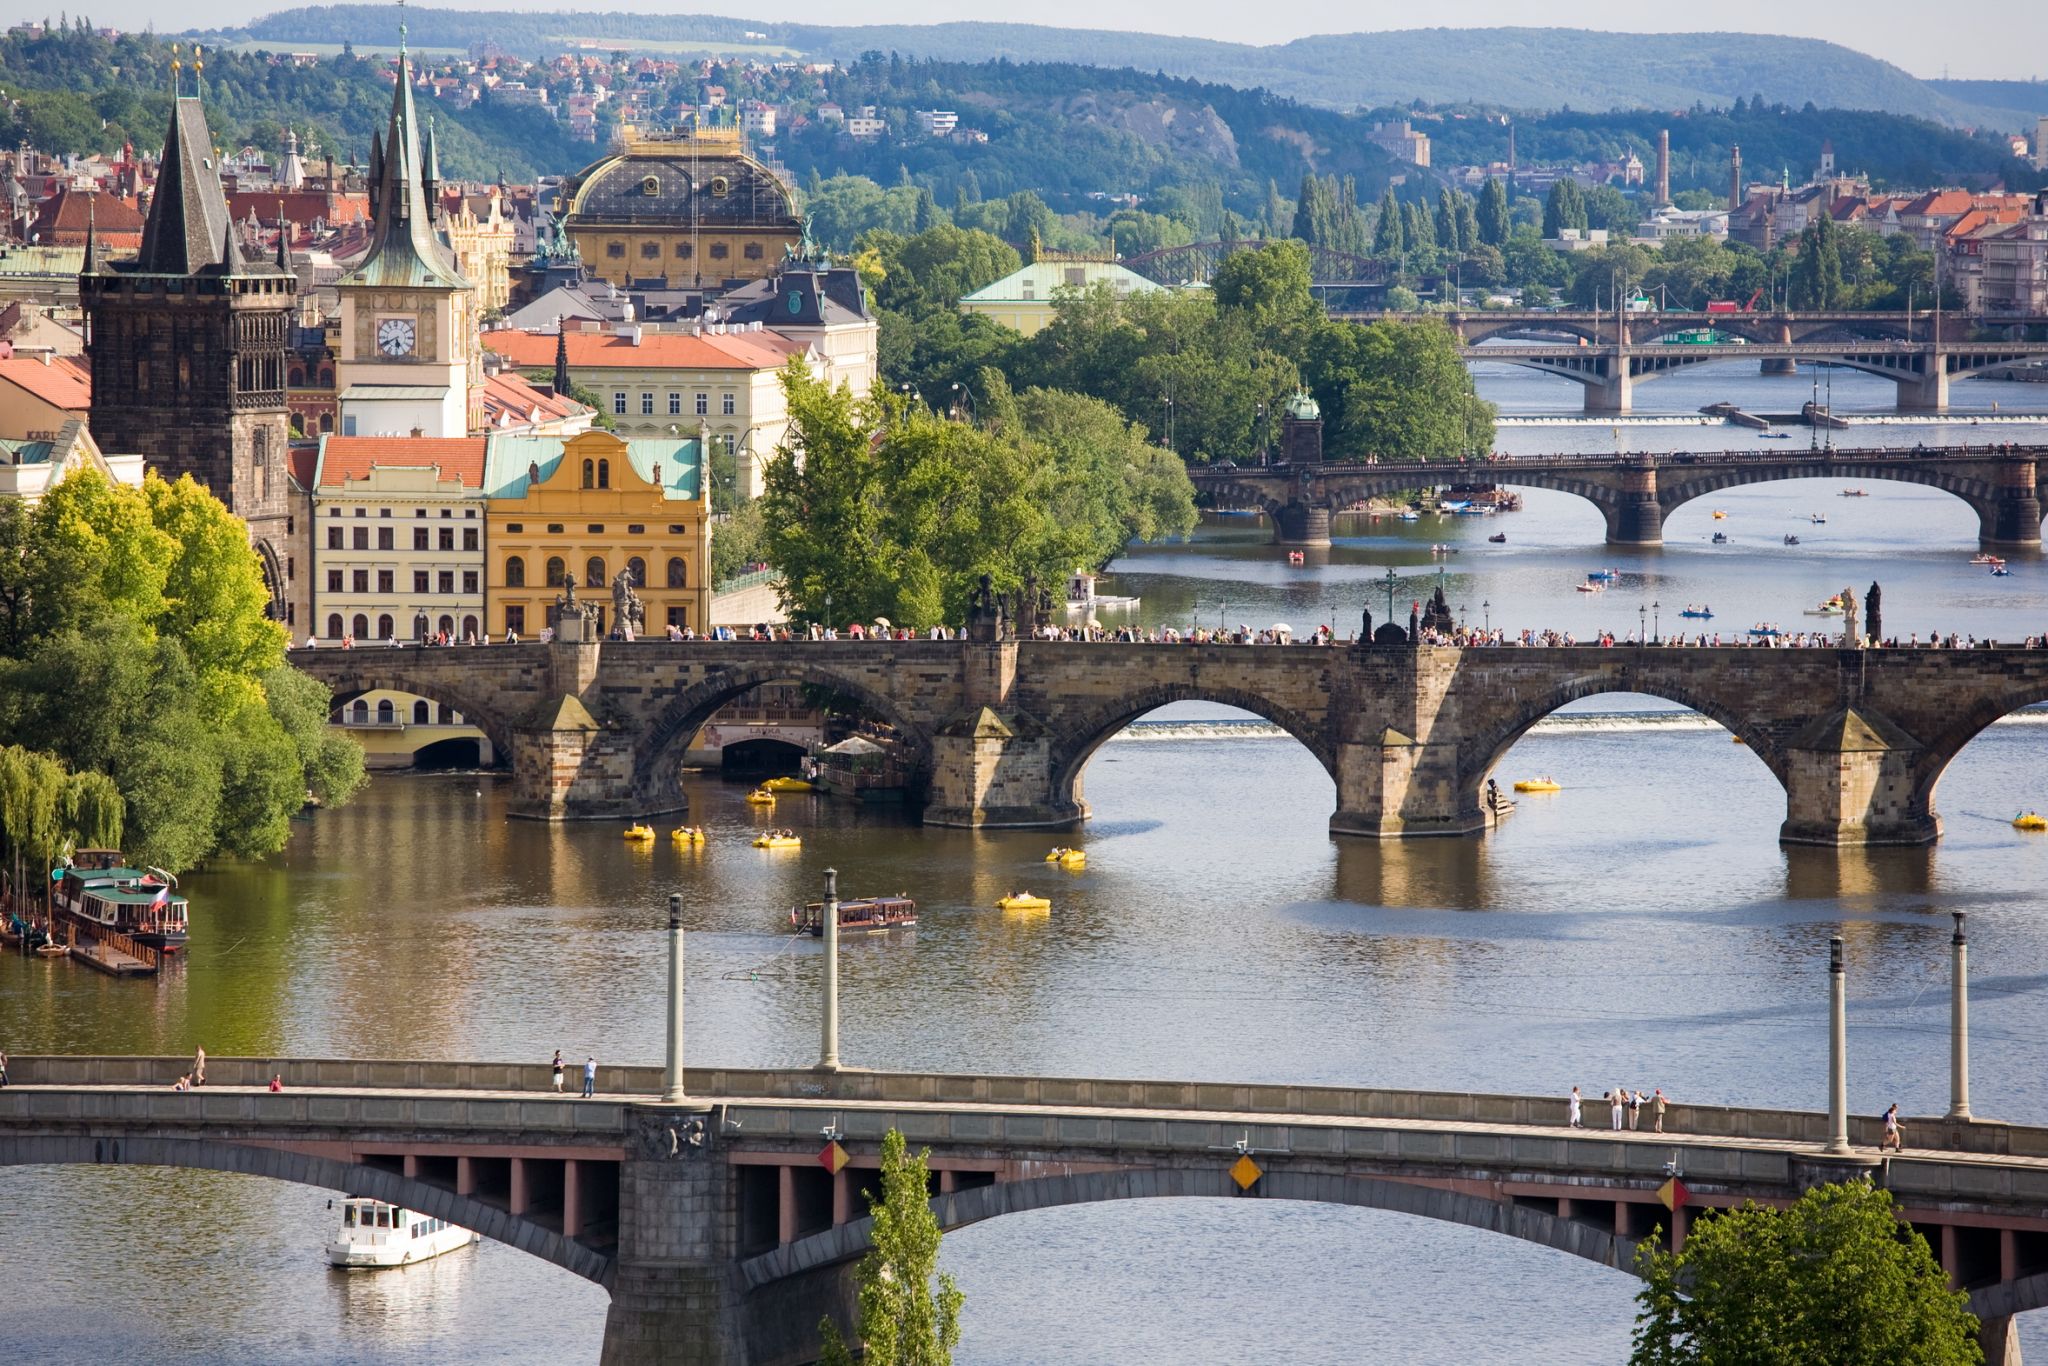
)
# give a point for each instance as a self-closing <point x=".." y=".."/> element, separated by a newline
<point x="1608" y="326"/>
<point x="1001" y="730"/>
<point x="723" y="1232"/>
<point x="2007" y="487"/>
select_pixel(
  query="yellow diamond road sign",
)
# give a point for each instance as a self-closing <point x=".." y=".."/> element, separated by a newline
<point x="1245" y="1172"/>
<point x="833" y="1158"/>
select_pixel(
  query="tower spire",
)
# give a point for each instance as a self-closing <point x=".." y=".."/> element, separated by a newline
<point x="561" y="359"/>
<point x="284" y="237"/>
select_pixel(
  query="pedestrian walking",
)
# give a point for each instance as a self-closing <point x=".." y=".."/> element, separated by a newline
<point x="1635" y="1109"/>
<point x="1892" y="1138"/>
<point x="1657" y="1103"/>
<point x="589" y="1077"/>
<point x="1614" y="1106"/>
<point x="199" y="1067"/>
<point x="1572" y="1110"/>
<point x="3" y="1067"/>
<point x="557" y="1068"/>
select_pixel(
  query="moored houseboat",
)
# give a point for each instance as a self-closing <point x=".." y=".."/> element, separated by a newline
<point x="870" y="915"/>
<point x="100" y="894"/>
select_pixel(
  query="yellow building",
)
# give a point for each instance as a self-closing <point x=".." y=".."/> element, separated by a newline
<point x="593" y="506"/>
<point x="1024" y="298"/>
<point x="690" y="207"/>
<point x="480" y="234"/>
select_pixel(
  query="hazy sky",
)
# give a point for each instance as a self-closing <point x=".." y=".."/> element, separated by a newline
<point x="2006" y="41"/>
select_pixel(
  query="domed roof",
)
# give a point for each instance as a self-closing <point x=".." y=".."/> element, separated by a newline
<point x="1302" y="407"/>
<point x="672" y="180"/>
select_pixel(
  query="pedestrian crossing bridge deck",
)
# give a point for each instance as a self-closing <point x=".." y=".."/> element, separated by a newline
<point x="722" y="1217"/>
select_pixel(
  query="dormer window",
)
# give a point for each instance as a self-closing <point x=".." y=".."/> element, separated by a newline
<point x="650" y="186"/>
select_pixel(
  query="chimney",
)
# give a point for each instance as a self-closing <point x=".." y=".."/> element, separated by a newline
<point x="1735" y="178"/>
<point x="1663" y="167"/>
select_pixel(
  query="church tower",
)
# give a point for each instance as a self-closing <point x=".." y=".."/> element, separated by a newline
<point x="410" y="360"/>
<point x="188" y="344"/>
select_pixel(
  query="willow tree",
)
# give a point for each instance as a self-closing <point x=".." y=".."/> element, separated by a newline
<point x="32" y="788"/>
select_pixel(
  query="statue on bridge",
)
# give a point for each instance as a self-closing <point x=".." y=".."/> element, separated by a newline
<point x="629" y="614"/>
<point x="567" y="607"/>
<point x="1851" y="628"/>
<point x="1438" y="617"/>
<point x="986" y="619"/>
<point x="1873" y="620"/>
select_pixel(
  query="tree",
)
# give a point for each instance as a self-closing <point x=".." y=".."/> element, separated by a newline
<point x="903" y="1320"/>
<point x="1564" y="207"/>
<point x="1387" y="237"/>
<point x="1494" y="221"/>
<point x="1835" y="1280"/>
<point x="1397" y="389"/>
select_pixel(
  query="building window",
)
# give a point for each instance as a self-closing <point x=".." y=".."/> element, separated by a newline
<point x="703" y="404"/>
<point x="419" y="580"/>
<point x="679" y="617"/>
<point x="362" y="538"/>
<point x="360" y="715"/>
<point x="595" y="528"/>
<point x="683" y="252"/>
<point x="420" y="712"/>
<point x="675" y="529"/>
<point x="387" y="714"/>
<point x="646" y="403"/>
<point x="590" y="474"/>
<point x="447" y="581"/>
<point x="515" y="618"/>
<point x="446" y="540"/>
<point x="675" y="404"/>
<point x="469" y="581"/>
<point x="618" y="403"/>
<point x="384" y="627"/>
<point x="635" y="529"/>
<point x="447" y="626"/>
<point x="604" y="474"/>
<point x="554" y="528"/>
<point x="637" y="567"/>
<point x="334" y="583"/>
<point x="557" y="571"/>
<point x="615" y="250"/>
<point x="334" y="538"/>
<point x="419" y="537"/>
<point x="469" y="541"/>
<point x="515" y="572"/>
<point x="362" y="581"/>
<point x="360" y="627"/>
<point x="726" y="404"/>
<point x="678" y="572"/>
<point x="334" y="626"/>
<point x="468" y="633"/>
<point x="384" y="538"/>
<point x="515" y="527"/>
<point x="719" y="251"/>
<point x="383" y="581"/>
<point x="753" y="251"/>
<point x="593" y="571"/>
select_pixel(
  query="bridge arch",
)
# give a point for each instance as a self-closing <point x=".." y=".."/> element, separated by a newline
<point x="1076" y="741"/>
<point x="1968" y="719"/>
<point x="285" y="1164"/>
<point x="1677" y="485"/>
<point x="837" y="1246"/>
<point x="659" y="756"/>
<point x="436" y="685"/>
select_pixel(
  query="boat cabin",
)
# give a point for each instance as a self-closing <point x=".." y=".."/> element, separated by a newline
<point x="140" y="903"/>
<point x="873" y="915"/>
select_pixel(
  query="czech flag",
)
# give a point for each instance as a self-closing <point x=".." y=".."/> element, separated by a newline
<point x="162" y="897"/>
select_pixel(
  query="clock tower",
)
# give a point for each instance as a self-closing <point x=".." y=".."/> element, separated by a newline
<point x="410" y="359"/>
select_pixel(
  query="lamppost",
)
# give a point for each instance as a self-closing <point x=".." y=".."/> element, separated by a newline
<point x="1167" y="399"/>
<point x="1487" y="607"/>
<point x="963" y="393"/>
<point x="1642" y="625"/>
<point x="1260" y="411"/>
<point x="828" y="610"/>
<point x="1657" y="622"/>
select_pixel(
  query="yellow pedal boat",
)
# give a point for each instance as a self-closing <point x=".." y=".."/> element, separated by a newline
<point x="761" y="796"/>
<point x="639" y="832"/>
<point x="787" y="785"/>
<point x="687" y="834"/>
<point x="1539" y="785"/>
<point x="1023" y="901"/>
<point x="1073" y="859"/>
<point x="778" y="840"/>
<point x="2030" y="820"/>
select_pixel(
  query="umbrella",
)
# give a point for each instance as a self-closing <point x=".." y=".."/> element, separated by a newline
<point x="884" y="623"/>
<point x="1282" y="628"/>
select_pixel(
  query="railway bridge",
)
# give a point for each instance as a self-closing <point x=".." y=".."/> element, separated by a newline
<point x="1000" y="730"/>
<point x="724" y="1226"/>
<point x="2006" y="487"/>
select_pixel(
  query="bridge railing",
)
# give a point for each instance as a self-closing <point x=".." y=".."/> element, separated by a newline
<point x="1903" y="455"/>
<point x="941" y="1088"/>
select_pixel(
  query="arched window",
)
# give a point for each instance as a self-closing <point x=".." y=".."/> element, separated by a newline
<point x="298" y="378"/>
<point x="384" y="628"/>
<point x="327" y="375"/>
<point x="469" y="628"/>
<point x="334" y="626"/>
<point x="557" y="571"/>
<point x="678" y="572"/>
<point x="593" y="573"/>
<point x="420" y="712"/>
<point x="386" y="713"/>
<point x="515" y="572"/>
<point x="449" y="716"/>
<point x="604" y="474"/>
<point x="590" y="474"/>
<point x="637" y="567"/>
<point x="327" y="422"/>
<point x="360" y="712"/>
<point x="360" y="628"/>
<point x="447" y="626"/>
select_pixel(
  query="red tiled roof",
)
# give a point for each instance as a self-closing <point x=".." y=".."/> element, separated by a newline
<point x="301" y="461"/>
<point x="62" y="218"/>
<point x="300" y="206"/>
<point x="656" y="350"/>
<point x="62" y="383"/>
<point x="509" y="394"/>
<point x="353" y="457"/>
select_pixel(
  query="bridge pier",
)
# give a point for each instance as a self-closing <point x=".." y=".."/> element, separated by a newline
<point x="1613" y="391"/>
<point x="2014" y="517"/>
<point x="1302" y="524"/>
<point x="1927" y="393"/>
<point x="1849" y="780"/>
<point x="675" y="1300"/>
<point x="1999" y="1338"/>
<point x="1637" y="517"/>
<point x="993" y="764"/>
<point x="1781" y="365"/>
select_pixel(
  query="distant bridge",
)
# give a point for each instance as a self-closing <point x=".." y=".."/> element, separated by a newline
<point x="2006" y="487"/>
<point x="723" y="1238"/>
<point x="1196" y="263"/>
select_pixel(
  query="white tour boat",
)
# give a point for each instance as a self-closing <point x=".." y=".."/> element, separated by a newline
<point x="374" y="1234"/>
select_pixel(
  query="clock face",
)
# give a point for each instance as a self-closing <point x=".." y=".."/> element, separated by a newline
<point x="395" y="336"/>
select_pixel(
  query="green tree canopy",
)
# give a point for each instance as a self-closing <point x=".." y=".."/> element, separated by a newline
<point x="909" y="1309"/>
<point x="1835" y="1280"/>
<point x="1494" y="220"/>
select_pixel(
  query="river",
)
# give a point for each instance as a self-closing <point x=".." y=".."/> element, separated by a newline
<point x="1641" y="927"/>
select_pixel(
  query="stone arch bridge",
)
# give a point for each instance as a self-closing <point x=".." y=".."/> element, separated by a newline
<point x="722" y="1239"/>
<point x="1001" y="730"/>
<point x="2006" y="488"/>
